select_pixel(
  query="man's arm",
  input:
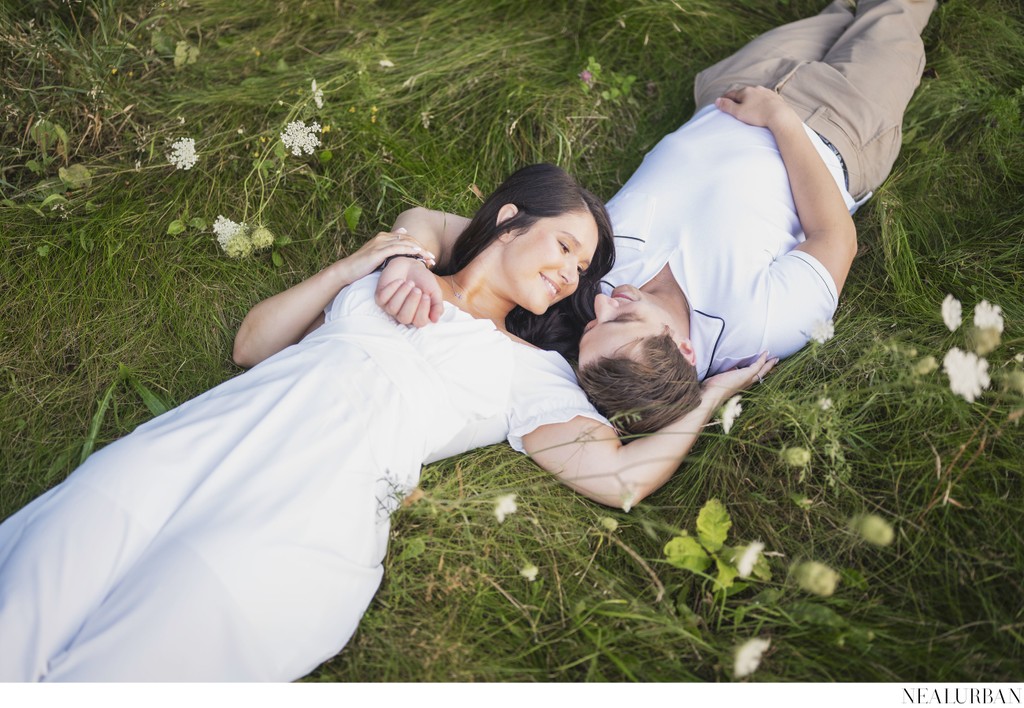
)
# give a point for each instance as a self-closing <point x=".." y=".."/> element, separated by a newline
<point x="406" y="290"/>
<point x="589" y="458"/>
<point x="824" y="217"/>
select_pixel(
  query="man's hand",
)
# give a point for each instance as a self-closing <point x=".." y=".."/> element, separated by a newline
<point x="756" y="105"/>
<point x="409" y="292"/>
<point x="721" y="387"/>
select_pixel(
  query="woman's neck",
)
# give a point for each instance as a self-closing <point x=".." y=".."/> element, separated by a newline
<point x="472" y="291"/>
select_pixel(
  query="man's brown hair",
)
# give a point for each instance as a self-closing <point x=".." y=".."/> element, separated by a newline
<point x="643" y="394"/>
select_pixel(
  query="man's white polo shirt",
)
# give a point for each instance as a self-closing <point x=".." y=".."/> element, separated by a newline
<point x="712" y="200"/>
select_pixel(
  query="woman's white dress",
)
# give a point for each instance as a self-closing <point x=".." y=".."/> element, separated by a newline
<point x="240" y="536"/>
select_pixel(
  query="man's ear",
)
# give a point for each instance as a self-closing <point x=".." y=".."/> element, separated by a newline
<point x="686" y="348"/>
<point x="506" y="212"/>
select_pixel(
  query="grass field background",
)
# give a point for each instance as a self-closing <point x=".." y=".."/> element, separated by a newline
<point x="117" y="302"/>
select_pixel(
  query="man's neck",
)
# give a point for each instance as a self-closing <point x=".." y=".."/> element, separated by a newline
<point x="665" y="288"/>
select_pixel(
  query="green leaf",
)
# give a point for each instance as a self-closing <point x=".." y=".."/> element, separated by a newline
<point x="282" y="240"/>
<point x="53" y="199"/>
<point x="762" y="571"/>
<point x="75" y="176"/>
<point x="197" y="223"/>
<point x="155" y="404"/>
<point x="34" y="167"/>
<point x="185" y="53"/>
<point x="812" y="613"/>
<point x="97" y="420"/>
<point x="43" y="250"/>
<point x="277" y="259"/>
<point x="413" y="548"/>
<point x="351" y="216"/>
<point x="685" y="552"/>
<point x="280" y="151"/>
<point x="325" y="156"/>
<point x="175" y="227"/>
<point x="713" y="524"/>
<point x="726" y="574"/>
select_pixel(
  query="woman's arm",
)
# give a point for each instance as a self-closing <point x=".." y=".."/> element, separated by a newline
<point x="589" y="457"/>
<point x="824" y="217"/>
<point x="285" y="318"/>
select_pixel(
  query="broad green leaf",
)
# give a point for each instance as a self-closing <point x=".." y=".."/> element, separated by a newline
<point x="713" y="524"/>
<point x="726" y="574"/>
<point x="43" y="250"/>
<point x="352" y="215"/>
<point x="75" y="176"/>
<point x="53" y="199"/>
<point x="34" y="167"/>
<point x="175" y="227"/>
<point x="197" y="223"/>
<point x="277" y="258"/>
<point x="762" y="571"/>
<point x="325" y="156"/>
<point x="185" y="53"/>
<point x="685" y="552"/>
<point x="282" y="240"/>
<point x="280" y="151"/>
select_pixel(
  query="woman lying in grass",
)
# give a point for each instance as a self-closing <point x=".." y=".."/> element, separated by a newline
<point x="240" y="536"/>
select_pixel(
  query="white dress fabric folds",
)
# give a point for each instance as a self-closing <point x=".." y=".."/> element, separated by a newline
<point x="239" y="537"/>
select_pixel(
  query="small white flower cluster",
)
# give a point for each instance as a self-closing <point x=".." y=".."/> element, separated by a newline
<point x="731" y="411"/>
<point x="318" y="95"/>
<point x="239" y="240"/>
<point x="505" y="505"/>
<point x="183" y="154"/>
<point x="299" y="138"/>
<point x="823" y="331"/>
<point x="968" y="371"/>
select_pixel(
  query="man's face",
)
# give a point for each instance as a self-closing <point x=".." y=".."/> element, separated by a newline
<point x="622" y="321"/>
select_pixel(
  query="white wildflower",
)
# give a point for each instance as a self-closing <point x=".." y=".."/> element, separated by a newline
<point x="505" y="505"/>
<point x="823" y="331"/>
<point x="952" y="312"/>
<point x="609" y="524"/>
<point x="318" y="95"/>
<point x="745" y="564"/>
<point x="225" y="229"/>
<point x="748" y="656"/>
<point x="241" y="129"/>
<point x="181" y="120"/>
<point x="299" y="137"/>
<point x="988" y="316"/>
<point x="730" y="411"/>
<point x="825" y="403"/>
<point x="183" y="154"/>
<point x="1019" y="358"/>
<point x="968" y="374"/>
<point x="138" y="165"/>
<point x="529" y="572"/>
<point x="387" y="64"/>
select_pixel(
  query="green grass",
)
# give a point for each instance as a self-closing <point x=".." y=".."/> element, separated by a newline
<point x="477" y="89"/>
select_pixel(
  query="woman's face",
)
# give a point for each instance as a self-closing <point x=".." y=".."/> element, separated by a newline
<point x="544" y="262"/>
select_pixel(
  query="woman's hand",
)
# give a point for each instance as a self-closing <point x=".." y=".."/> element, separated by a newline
<point x="410" y="293"/>
<point x="384" y="245"/>
<point x="721" y="387"/>
<point x="756" y="105"/>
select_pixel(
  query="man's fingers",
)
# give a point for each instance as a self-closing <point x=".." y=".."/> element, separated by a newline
<point x="407" y="313"/>
<point x="422" y="316"/>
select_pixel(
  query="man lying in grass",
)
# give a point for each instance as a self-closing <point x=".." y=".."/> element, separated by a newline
<point x="734" y="237"/>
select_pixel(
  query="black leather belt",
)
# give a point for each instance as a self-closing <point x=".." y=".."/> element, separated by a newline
<point x="842" y="162"/>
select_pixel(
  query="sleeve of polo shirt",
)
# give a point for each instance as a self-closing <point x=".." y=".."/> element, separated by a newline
<point x="802" y="294"/>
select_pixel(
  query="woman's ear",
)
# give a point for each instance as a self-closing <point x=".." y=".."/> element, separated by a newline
<point x="506" y="212"/>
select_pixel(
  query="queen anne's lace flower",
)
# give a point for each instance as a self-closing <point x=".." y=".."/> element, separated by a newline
<point x="183" y="154"/>
<point x="952" y="312"/>
<point x="988" y="316"/>
<point x="730" y="411"/>
<point x="748" y="656"/>
<point x="823" y="331"/>
<point x="225" y="230"/>
<point x="505" y="505"/>
<point x="968" y="373"/>
<point x="299" y="138"/>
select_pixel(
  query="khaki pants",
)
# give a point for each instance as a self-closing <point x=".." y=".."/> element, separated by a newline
<point x="849" y="76"/>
